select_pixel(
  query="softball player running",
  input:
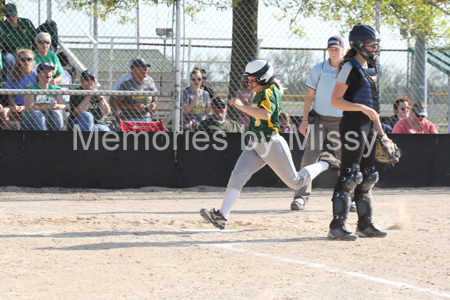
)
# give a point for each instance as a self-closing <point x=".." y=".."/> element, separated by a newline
<point x="357" y="93"/>
<point x="266" y="146"/>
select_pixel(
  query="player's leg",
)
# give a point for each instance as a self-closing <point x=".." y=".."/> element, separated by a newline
<point x="363" y="194"/>
<point x="248" y="163"/>
<point x="350" y="177"/>
<point x="310" y="156"/>
<point x="279" y="158"/>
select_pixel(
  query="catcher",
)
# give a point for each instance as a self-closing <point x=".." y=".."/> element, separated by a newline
<point x="357" y="93"/>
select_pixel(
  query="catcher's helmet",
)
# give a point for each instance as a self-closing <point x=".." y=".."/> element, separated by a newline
<point x="360" y="34"/>
<point x="261" y="69"/>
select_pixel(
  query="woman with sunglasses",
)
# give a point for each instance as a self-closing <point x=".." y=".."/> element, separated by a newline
<point x="402" y="108"/>
<point x="21" y="76"/>
<point x="196" y="102"/>
<point x="43" y="54"/>
<point x="357" y="94"/>
<point x="266" y="146"/>
<point x="286" y="125"/>
<point x="88" y="112"/>
<point x="43" y="112"/>
<point x="416" y="122"/>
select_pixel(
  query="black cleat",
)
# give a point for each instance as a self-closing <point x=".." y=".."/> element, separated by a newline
<point x="214" y="217"/>
<point x="371" y="231"/>
<point x="333" y="162"/>
<point x="342" y="233"/>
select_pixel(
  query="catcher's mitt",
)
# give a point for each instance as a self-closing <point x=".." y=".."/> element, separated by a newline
<point x="386" y="151"/>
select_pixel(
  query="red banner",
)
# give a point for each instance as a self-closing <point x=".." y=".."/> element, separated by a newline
<point x="142" y="126"/>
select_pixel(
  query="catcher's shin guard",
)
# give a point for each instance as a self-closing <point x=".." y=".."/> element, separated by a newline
<point x="341" y="200"/>
<point x="363" y="196"/>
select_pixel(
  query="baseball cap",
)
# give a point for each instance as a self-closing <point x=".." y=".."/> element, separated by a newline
<point x="44" y="66"/>
<point x="336" y="42"/>
<point x="10" y="9"/>
<point x="217" y="101"/>
<point x="138" y="63"/>
<point x="420" y="111"/>
<point x="87" y="73"/>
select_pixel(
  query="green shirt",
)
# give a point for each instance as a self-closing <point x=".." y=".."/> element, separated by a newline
<point x="94" y="107"/>
<point x="269" y="99"/>
<point x="21" y="37"/>
<point x="42" y="100"/>
<point x="52" y="59"/>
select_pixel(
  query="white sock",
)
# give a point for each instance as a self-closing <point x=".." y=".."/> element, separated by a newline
<point x="229" y="199"/>
<point x="315" y="169"/>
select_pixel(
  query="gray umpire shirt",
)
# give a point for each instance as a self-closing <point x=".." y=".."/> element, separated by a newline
<point x="133" y="85"/>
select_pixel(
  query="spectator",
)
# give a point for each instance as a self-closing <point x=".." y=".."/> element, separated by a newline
<point x="116" y="87"/>
<point x="43" y="54"/>
<point x="137" y="108"/>
<point x="415" y="122"/>
<point x="21" y="76"/>
<point x="286" y="125"/>
<point x="246" y="96"/>
<point x="218" y="120"/>
<point x="402" y="109"/>
<point x="73" y="74"/>
<point x="16" y="33"/>
<point x="88" y="111"/>
<point x="204" y="87"/>
<point x="196" y="102"/>
<point x="66" y="78"/>
<point x="43" y="112"/>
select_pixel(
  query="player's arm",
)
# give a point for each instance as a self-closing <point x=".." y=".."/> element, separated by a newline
<point x="256" y="112"/>
<point x="306" y="108"/>
<point x="338" y="101"/>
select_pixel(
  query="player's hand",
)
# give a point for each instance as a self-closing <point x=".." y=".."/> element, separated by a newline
<point x="304" y="127"/>
<point x="236" y="102"/>
<point x="370" y="112"/>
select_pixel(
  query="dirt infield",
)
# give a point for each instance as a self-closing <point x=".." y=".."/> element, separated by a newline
<point x="133" y="244"/>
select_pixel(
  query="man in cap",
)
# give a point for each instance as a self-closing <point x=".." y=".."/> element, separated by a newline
<point x="15" y="33"/>
<point x="116" y="87"/>
<point x="137" y="108"/>
<point x="323" y="118"/>
<point x="218" y="120"/>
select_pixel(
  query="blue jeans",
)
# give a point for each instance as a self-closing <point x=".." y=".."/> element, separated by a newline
<point x="138" y="120"/>
<point x="86" y="122"/>
<point x="48" y="120"/>
<point x="8" y="60"/>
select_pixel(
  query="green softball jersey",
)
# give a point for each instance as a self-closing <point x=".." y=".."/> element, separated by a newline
<point x="269" y="99"/>
<point x="52" y="59"/>
<point x="42" y="100"/>
<point x="20" y="37"/>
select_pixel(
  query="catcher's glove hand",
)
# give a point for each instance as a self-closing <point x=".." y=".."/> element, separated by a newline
<point x="386" y="151"/>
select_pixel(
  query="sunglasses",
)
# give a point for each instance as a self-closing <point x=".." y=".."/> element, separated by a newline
<point x="420" y="117"/>
<point x="219" y="107"/>
<point x="11" y="16"/>
<point x="372" y="44"/>
<point x="404" y="108"/>
<point x="25" y="59"/>
<point x="89" y="78"/>
<point x="196" y="79"/>
<point x="284" y="126"/>
<point x="44" y="42"/>
<point x="204" y="78"/>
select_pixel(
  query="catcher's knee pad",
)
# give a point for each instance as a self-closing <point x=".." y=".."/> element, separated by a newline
<point x="363" y="198"/>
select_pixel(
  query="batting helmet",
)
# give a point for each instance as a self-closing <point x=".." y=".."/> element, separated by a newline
<point x="261" y="69"/>
<point x="360" y="34"/>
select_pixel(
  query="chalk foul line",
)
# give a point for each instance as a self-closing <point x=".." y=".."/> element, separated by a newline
<point x="232" y="247"/>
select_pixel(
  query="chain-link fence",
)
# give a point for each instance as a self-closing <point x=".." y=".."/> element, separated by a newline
<point x="219" y="41"/>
